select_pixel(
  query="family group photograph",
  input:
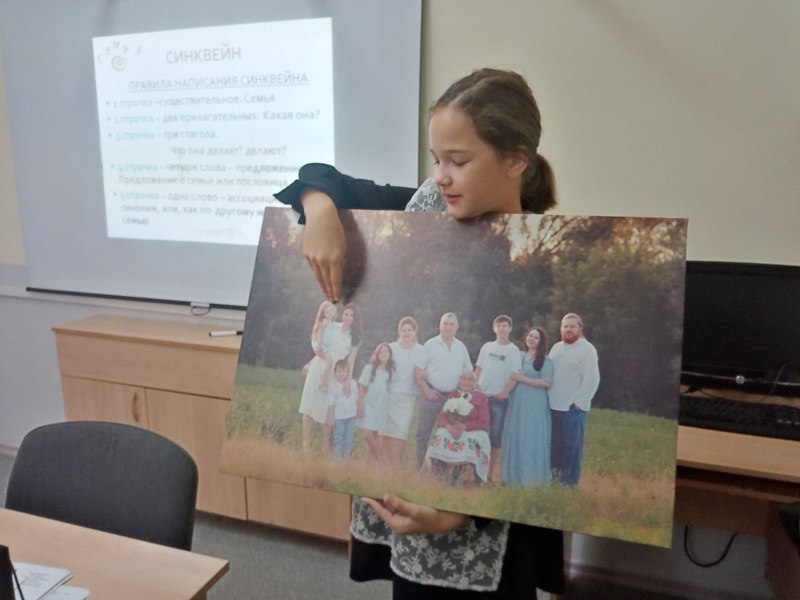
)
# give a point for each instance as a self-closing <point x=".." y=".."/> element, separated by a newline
<point x="522" y="367"/>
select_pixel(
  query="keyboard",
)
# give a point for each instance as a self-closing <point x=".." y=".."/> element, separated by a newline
<point x="738" y="416"/>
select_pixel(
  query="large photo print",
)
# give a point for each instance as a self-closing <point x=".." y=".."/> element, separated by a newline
<point x="521" y="367"/>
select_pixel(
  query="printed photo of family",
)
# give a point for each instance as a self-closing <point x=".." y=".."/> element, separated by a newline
<point x="521" y="367"/>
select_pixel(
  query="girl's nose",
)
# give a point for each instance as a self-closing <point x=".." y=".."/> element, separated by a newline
<point x="441" y="177"/>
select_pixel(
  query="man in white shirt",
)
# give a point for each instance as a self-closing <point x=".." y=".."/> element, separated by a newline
<point x="443" y="360"/>
<point x="576" y="377"/>
<point x="497" y="360"/>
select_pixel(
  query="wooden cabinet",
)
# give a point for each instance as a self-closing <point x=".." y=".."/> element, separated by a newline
<point x="88" y="399"/>
<point x="174" y="379"/>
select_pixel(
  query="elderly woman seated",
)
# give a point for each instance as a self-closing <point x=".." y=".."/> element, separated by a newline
<point x="461" y="436"/>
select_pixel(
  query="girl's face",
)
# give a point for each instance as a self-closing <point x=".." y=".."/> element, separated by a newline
<point x="407" y="333"/>
<point x="384" y="354"/>
<point x="341" y="374"/>
<point x="472" y="177"/>
<point x="347" y="317"/>
<point x="330" y="312"/>
<point x="532" y="339"/>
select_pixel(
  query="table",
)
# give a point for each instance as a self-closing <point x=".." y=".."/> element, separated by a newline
<point x="112" y="567"/>
<point x="736" y="482"/>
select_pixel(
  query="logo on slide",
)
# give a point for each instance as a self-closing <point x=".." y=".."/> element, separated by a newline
<point x="117" y="54"/>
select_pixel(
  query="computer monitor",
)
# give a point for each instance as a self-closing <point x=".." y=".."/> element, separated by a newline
<point x="742" y="327"/>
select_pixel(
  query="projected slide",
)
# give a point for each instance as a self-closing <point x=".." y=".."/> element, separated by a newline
<point x="199" y="127"/>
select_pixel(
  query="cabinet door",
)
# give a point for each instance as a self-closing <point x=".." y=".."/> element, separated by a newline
<point x="198" y="423"/>
<point x="305" y="509"/>
<point x="91" y="400"/>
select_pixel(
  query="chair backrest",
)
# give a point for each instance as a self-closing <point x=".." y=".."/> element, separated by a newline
<point x="108" y="476"/>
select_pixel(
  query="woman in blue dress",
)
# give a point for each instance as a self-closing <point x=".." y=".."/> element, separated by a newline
<point x="526" y="455"/>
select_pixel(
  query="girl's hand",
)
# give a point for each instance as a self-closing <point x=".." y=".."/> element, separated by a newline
<point x="324" y="245"/>
<point x="407" y="517"/>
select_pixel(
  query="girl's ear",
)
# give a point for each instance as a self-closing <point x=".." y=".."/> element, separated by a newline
<point x="516" y="162"/>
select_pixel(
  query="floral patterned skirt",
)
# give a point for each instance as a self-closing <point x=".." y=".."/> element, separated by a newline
<point x="471" y="447"/>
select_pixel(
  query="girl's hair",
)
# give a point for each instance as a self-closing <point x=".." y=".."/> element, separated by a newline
<point x="408" y="321"/>
<point x="541" y="351"/>
<point x="323" y="308"/>
<point x="356" y="328"/>
<point x="506" y="117"/>
<point x="374" y="361"/>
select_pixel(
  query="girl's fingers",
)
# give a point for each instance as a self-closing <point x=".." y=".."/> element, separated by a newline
<point x="408" y="517"/>
<point x="318" y="275"/>
<point x="328" y="273"/>
<point x="324" y="244"/>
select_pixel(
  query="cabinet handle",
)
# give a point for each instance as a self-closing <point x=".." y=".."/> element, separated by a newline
<point x="135" y="407"/>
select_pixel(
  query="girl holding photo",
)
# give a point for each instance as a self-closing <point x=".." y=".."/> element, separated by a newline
<point x="483" y="134"/>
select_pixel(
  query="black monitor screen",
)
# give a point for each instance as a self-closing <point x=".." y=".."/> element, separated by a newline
<point x="742" y="327"/>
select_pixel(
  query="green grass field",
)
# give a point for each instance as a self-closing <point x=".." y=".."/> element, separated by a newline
<point x="626" y="490"/>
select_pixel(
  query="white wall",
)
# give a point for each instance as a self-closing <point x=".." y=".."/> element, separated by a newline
<point x="11" y="251"/>
<point x="686" y="108"/>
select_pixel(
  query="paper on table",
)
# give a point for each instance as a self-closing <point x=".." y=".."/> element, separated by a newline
<point x="67" y="592"/>
<point x="37" y="581"/>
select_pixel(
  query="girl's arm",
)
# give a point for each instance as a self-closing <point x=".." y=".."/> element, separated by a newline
<point x="351" y="358"/>
<point x="317" y="194"/>
<point x="319" y="348"/>
<point x="344" y="191"/>
<point x="360" y="407"/>
<point x="324" y="245"/>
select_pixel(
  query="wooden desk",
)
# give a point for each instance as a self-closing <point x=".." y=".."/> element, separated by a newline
<point x="172" y="378"/>
<point x="111" y="567"/>
<point x="735" y="482"/>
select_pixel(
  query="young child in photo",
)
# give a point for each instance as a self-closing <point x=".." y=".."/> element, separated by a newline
<point x="344" y="406"/>
<point x="373" y="397"/>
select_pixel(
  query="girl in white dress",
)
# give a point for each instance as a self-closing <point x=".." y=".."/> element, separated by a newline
<point x="373" y="396"/>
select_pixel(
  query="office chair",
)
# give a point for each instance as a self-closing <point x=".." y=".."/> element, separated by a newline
<point x="108" y="476"/>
